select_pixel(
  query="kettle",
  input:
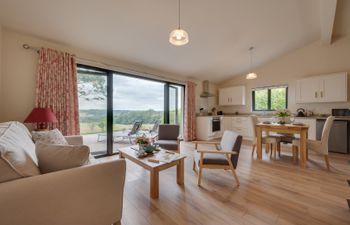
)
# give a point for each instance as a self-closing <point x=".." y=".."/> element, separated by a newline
<point x="301" y="112"/>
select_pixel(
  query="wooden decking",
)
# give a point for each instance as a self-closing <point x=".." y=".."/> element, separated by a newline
<point x="271" y="192"/>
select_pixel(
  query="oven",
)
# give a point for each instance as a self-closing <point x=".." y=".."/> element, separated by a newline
<point x="216" y="124"/>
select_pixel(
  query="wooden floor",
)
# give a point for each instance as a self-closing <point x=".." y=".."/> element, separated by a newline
<point x="271" y="192"/>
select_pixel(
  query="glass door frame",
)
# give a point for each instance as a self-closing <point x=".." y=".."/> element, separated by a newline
<point x="110" y="73"/>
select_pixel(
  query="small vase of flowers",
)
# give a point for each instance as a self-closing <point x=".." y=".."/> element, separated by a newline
<point x="145" y="146"/>
<point x="283" y="116"/>
<point x="142" y="141"/>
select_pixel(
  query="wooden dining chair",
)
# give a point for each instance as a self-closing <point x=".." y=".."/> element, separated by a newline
<point x="224" y="156"/>
<point x="268" y="140"/>
<point x="320" y="147"/>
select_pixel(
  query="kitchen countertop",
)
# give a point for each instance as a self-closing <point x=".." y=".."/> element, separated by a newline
<point x="347" y="118"/>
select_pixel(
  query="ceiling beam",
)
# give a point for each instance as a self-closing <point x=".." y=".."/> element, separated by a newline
<point x="327" y="12"/>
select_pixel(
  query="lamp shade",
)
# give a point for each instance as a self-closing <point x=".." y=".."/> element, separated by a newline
<point x="41" y="115"/>
<point x="178" y="37"/>
<point x="251" y="76"/>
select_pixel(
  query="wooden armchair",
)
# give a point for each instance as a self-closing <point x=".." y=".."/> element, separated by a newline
<point x="224" y="156"/>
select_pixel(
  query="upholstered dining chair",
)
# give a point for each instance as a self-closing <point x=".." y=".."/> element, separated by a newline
<point x="320" y="147"/>
<point x="274" y="140"/>
<point x="224" y="156"/>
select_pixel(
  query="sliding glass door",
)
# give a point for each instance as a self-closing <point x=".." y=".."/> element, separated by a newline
<point x="92" y="93"/>
<point x="176" y="95"/>
<point x="115" y="107"/>
<point x="138" y="104"/>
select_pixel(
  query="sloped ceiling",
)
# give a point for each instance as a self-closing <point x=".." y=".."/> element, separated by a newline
<point x="136" y="31"/>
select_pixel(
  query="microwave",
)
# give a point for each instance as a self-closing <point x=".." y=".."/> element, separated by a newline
<point x="340" y="112"/>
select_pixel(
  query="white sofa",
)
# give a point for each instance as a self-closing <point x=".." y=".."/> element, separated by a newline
<point x="87" y="195"/>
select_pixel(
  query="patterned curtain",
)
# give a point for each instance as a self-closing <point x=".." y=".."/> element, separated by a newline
<point x="56" y="88"/>
<point x="190" y="112"/>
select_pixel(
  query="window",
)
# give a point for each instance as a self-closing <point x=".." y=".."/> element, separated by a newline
<point x="270" y="98"/>
<point x="110" y="103"/>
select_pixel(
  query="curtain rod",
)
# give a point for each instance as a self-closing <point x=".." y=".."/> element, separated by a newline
<point x="123" y="69"/>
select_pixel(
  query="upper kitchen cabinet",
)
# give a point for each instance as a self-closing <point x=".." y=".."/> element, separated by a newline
<point x="327" y="88"/>
<point x="232" y="95"/>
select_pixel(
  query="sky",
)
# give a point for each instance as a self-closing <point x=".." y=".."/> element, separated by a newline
<point x="131" y="94"/>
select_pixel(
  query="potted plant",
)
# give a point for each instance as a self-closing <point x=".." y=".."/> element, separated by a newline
<point x="283" y="116"/>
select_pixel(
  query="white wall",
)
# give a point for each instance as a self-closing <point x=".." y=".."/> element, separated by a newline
<point x="313" y="59"/>
<point x="17" y="80"/>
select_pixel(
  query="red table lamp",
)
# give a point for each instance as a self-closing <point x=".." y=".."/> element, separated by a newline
<point x="41" y="116"/>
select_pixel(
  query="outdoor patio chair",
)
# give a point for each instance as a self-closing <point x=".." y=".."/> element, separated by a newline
<point x="132" y="134"/>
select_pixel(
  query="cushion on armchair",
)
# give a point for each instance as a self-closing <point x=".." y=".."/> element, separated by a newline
<point x="167" y="144"/>
<point x="218" y="159"/>
<point x="168" y="132"/>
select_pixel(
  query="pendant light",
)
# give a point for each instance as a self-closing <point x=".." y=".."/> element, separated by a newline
<point x="251" y="75"/>
<point x="178" y="37"/>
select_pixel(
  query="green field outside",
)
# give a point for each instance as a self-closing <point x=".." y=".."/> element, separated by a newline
<point x="93" y="128"/>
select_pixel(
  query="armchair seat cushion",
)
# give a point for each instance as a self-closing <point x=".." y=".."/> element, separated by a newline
<point x="217" y="159"/>
<point x="167" y="144"/>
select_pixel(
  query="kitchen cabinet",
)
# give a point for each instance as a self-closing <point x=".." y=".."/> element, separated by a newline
<point x="238" y="124"/>
<point x="204" y="129"/>
<point x="311" y="122"/>
<point x="326" y="88"/>
<point x="241" y="125"/>
<point x="232" y="96"/>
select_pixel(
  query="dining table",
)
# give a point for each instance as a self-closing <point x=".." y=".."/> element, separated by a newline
<point x="300" y="129"/>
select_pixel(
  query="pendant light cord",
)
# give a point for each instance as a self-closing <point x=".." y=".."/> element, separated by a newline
<point x="251" y="57"/>
<point x="179" y="14"/>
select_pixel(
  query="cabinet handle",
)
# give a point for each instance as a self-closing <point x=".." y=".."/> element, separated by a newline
<point x="315" y="94"/>
<point x="321" y="93"/>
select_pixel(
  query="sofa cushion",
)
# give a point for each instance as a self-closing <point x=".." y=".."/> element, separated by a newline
<point x="59" y="157"/>
<point x="7" y="173"/>
<point x="17" y="151"/>
<point x="49" y="137"/>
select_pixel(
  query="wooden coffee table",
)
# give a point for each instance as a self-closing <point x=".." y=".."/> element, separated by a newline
<point x="155" y="168"/>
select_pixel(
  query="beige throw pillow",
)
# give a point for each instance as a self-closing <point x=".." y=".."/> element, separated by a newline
<point x="49" y="137"/>
<point x="59" y="157"/>
<point x="17" y="152"/>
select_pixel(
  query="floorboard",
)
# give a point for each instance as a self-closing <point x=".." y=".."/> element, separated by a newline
<point x="271" y="192"/>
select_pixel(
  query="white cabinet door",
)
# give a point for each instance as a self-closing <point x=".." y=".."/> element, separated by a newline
<point x="237" y="95"/>
<point x="307" y="90"/>
<point x="327" y="88"/>
<point x="227" y="123"/>
<point x="224" y="96"/>
<point x="334" y="88"/>
<point x="311" y="122"/>
<point x="232" y="95"/>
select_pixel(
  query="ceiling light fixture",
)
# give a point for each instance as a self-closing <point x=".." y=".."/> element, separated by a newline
<point x="251" y="75"/>
<point x="178" y="37"/>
